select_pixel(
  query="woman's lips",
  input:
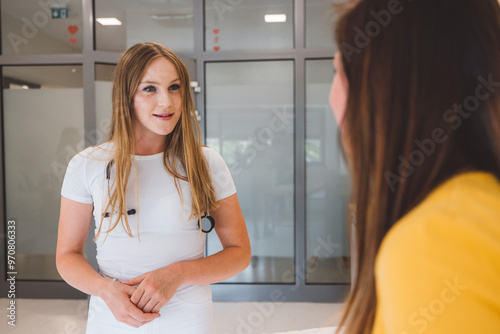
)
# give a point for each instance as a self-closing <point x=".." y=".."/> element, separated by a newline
<point x="164" y="117"/>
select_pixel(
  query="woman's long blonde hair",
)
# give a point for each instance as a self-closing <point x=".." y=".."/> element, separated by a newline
<point x="183" y="143"/>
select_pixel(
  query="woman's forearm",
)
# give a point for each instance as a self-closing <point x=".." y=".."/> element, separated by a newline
<point x="214" y="268"/>
<point x="78" y="273"/>
<point x="236" y="253"/>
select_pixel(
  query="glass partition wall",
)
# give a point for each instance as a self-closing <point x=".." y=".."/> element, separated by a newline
<point x="260" y="72"/>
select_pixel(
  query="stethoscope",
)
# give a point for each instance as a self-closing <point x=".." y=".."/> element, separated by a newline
<point x="130" y="212"/>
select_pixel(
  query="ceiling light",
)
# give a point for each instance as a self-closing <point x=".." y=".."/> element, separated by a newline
<point x="275" y="18"/>
<point x="171" y="17"/>
<point x="109" y="21"/>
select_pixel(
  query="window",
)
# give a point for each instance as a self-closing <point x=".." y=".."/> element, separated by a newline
<point x="168" y="23"/>
<point x="43" y="130"/>
<point x="248" y="25"/>
<point x="250" y="123"/>
<point x="326" y="183"/>
<point x="41" y="27"/>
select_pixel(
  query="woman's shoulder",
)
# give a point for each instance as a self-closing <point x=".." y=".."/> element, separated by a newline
<point x="445" y="250"/>
<point x="469" y="200"/>
<point x="460" y="216"/>
<point x="207" y="150"/>
<point x="103" y="151"/>
<point x="211" y="155"/>
<point x="220" y="173"/>
<point x="442" y="260"/>
<point x="92" y="155"/>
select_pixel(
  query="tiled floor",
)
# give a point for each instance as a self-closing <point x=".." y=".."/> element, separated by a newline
<point x="51" y="316"/>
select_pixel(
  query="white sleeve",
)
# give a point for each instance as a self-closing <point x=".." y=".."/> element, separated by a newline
<point x="221" y="177"/>
<point x="75" y="185"/>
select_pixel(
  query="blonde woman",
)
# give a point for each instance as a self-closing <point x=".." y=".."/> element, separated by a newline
<point x="147" y="188"/>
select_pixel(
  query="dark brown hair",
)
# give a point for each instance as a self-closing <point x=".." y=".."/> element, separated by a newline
<point x="423" y="106"/>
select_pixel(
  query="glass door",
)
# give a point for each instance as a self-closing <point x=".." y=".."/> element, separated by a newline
<point x="43" y="129"/>
<point x="250" y="113"/>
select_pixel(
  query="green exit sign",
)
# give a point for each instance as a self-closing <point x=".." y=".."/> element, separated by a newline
<point x="59" y="13"/>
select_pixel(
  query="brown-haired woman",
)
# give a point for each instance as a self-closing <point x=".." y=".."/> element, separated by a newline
<point x="417" y="98"/>
<point x="153" y="179"/>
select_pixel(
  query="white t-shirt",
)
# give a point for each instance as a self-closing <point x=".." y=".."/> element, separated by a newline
<point x="165" y="235"/>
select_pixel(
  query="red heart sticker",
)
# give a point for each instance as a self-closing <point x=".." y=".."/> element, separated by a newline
<point x="216" y="31"/>
<point x="216" y="40"/>
<point x="72" y="40"/>
<point x="72" y="29"/>
<point x="216" y="48"/>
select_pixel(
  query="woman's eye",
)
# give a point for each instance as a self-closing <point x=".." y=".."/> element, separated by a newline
<point x="174" y="87"/>
<point x="149" y="89"/>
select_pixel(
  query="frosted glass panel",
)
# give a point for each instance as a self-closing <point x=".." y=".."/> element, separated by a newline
<point x="41" y="27"/>
<point x="327" y="183"/>
<point x="250" y="123"/>
<point x="43" y="130"/>
<point x="103" y="101"/>
<point x="319" y="23"/>
<point x="248" y="25"/>
<point x="166" y="22"/>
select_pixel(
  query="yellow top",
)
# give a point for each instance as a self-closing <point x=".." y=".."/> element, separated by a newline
<point x="438" y="268"/>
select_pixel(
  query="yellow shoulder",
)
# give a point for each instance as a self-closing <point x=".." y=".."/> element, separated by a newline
<point x="440" y="264"/>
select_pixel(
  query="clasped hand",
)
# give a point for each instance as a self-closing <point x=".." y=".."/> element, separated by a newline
<point x="137" y="306"/>
<point x="154" y="289"/>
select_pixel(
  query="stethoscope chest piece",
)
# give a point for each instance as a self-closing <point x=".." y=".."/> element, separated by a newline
<point x="207" y="223"/>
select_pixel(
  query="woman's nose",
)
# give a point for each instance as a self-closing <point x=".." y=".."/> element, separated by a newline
<point x="164" y="99"/>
